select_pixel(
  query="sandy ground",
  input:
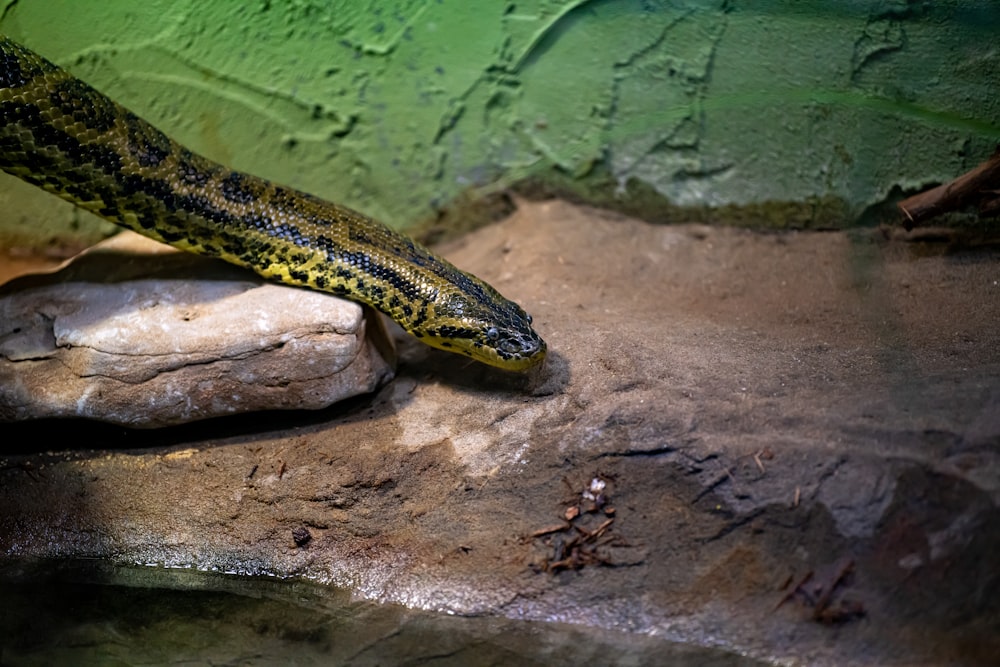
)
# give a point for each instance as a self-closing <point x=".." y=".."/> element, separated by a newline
<point x="783" y="444"/>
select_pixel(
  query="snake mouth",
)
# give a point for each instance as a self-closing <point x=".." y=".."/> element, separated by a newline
<point x="521" y="353"/>
<point x="524" y="347"/>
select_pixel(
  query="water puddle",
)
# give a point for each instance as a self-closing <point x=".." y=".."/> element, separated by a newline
<point x="97" y="614"/>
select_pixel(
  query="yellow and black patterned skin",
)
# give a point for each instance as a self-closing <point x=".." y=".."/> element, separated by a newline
<point x="62" y="135"/>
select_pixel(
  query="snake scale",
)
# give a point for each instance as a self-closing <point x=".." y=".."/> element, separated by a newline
<point x="64" y="136"/>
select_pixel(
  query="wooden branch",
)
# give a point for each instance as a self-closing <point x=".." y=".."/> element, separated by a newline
<point x="981" y="186"/>
<point x="990" y="206"/>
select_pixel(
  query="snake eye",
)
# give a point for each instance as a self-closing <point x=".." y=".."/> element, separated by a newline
<point x="529" y="317"/>
<point x="492" y="333"/>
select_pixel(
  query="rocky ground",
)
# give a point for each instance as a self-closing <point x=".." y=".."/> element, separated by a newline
<point x="784" y="444"/>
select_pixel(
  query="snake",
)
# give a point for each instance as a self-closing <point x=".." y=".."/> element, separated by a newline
<point x="62" y="135"/>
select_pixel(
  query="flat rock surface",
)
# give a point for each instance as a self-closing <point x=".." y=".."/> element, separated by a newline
<point x="104" y="339"/>
<point x="783" y="444"/>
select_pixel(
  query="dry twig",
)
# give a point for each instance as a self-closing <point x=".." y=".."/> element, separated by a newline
<point x="980" y="187"/>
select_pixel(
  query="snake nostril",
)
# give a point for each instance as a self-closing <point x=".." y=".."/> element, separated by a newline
<point x="528" y="346"/>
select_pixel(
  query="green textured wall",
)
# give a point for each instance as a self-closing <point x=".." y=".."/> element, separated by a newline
<point x="397" y="107"/>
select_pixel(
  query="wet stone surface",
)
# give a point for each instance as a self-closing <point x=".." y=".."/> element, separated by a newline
<point x="786" y="445"/>
<point x="92" y="614"/>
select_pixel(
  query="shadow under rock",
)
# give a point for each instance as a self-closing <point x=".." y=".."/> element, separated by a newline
<point x="83" y="435"/>
<point x="88" y="438"/>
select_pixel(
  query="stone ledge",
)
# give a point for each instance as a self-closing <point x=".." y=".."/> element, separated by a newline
<point x="94" y="340"/>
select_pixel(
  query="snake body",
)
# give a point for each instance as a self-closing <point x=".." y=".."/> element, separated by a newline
<point x="64" y="136"/>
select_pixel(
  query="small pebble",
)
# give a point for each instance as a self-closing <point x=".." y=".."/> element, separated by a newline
<point x="301" y="536"/>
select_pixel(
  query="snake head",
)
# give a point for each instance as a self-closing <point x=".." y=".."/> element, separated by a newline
<point x="513" y="345"/>
<point x="481" y="324"/>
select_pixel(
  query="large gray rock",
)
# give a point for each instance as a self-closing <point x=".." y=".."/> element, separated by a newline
<point x="96" y="340"/>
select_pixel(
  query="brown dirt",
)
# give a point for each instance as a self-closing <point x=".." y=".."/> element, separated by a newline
<point x="761" y="407"/>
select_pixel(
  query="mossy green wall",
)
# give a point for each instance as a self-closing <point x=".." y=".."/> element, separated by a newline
<point x="396" y="107"/>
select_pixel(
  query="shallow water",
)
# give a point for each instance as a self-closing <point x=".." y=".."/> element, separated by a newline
<point x="96" y="614"/>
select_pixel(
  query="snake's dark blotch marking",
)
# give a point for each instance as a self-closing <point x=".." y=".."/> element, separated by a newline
<point x="62" y="135"/>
